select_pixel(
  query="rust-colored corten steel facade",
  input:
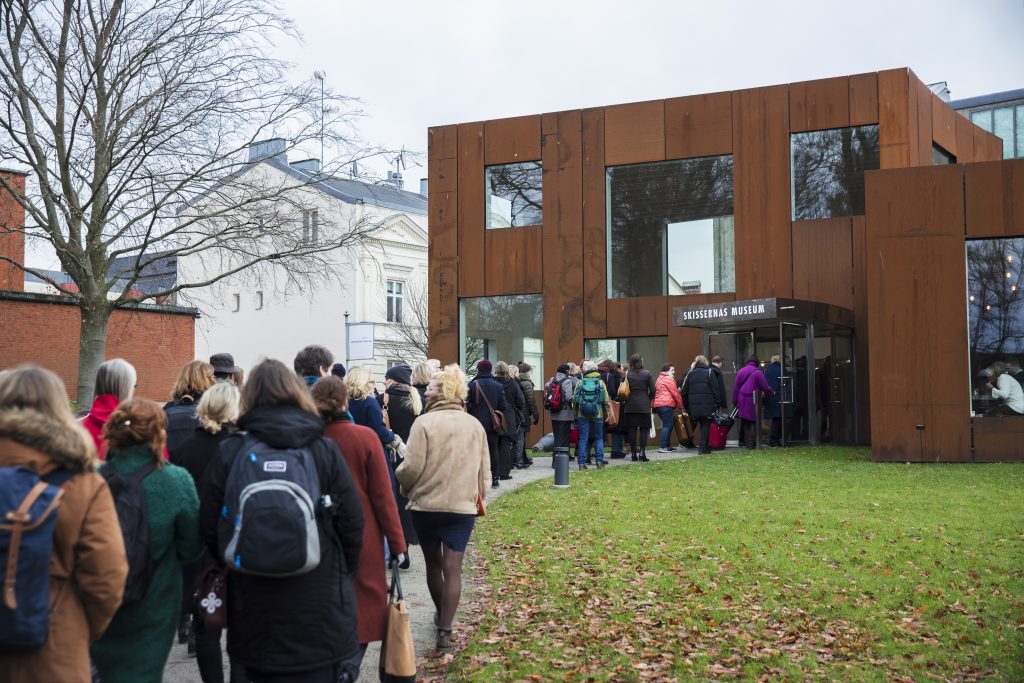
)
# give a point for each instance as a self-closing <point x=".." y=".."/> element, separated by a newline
<point x="566" y="261"/>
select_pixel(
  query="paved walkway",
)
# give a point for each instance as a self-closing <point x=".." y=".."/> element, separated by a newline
<point x="182" y="669"/>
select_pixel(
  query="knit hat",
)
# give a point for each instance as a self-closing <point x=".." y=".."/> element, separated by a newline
<point x="338" y="370"/>
<point x="400" y="373"/>
<point x="484" y="366"/>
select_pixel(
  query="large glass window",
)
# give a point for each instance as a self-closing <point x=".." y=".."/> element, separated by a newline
<point x="995" y="306"/>
<point x="653" y="349"/>
<point x="508" y="328"/>
<point x="1005" y="122"/>
<point x="670" y="227"/>
<point x="828" y="170"/>
<point x="513" y="195"/>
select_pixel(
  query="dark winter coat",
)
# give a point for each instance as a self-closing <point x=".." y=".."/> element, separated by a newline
<point x="701" y="393"/>
<point x="366" y="411"/>
<point x="364" y="456"/>
<point x="297" y="623"/>
<point x="87" y="563"/>
<point x="400" y="413"/>
<point x="477" y="406"/>
<point x="181" y="421"/>
<point x="773" y="404"/>
<point x="198" y="451"/>
<point x="136" y="645"/>
<point x="422" y="389"/>
<point x="517" y="405"/>
<point x="716" y="373"/>
<point x="641" y="391"/>
<point x="531" y="414"/>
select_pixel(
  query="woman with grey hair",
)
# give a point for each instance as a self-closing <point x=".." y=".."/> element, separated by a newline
<point x="1006" y="389"/>
<point x="115" y="382"/>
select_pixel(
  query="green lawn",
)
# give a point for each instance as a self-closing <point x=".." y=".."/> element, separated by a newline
<point x="810" y="563"/>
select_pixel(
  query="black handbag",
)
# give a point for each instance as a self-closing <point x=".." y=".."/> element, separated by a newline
<point x="211" y="598"/>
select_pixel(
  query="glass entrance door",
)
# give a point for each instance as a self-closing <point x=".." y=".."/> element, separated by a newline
<point x="843" y="404"/>
<point x="797" y="393"/>
<point x="734" y="348"/>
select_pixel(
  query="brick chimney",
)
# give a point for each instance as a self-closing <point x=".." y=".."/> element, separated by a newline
<point x="12" y="244"/>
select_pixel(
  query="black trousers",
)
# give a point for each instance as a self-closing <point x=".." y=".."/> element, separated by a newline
<point x="325" y="675"/>
<point x="747" y="428"/>
<point x="561" y="430"/>
<point x="492" y="449"/>
<point x="704" y="429"/>
<point x="506" y="444"/>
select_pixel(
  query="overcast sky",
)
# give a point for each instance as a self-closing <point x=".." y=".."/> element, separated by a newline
<point x="418" y="64"/>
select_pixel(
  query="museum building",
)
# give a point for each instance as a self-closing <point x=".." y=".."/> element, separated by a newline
<point x="855" y="226"/>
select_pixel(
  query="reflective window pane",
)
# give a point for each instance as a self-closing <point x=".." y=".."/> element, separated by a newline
<point x="653" y="349"/>
<point x="669" y="223"/>
<point x="508" y="328"/>
<point x="982" y="119"/>
<point x="828" y="170"/>
<point x="995" y="306"/>
<point x="513" y="194"/>
<point x="941" y="157"/>
<point x="1019" y="152"/>
<point x="1002" y="127"/>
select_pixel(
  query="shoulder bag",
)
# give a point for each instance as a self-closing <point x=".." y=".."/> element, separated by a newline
<point x="397" y="652"/>
<point x="497" y="417"/>
<point x="384" y="409"/>
<point x="623" y="393"/>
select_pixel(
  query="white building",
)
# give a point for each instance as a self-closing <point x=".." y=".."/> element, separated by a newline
<point x="263" y="313"/>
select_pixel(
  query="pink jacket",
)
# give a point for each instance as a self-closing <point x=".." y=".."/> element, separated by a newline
<point x="666" y="394"/>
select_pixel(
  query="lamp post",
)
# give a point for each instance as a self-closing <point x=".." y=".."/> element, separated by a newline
<point x="346" y="341"/>
<point x="321" y="76"/>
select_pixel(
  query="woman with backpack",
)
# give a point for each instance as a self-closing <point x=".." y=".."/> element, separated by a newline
<point x="193" y="380"/>
<point x="217" y="413"/>
<point x="287" y="626"/>
<point x="157" y="508"/>
<point x="445" y="475"/>
<point x="115" y="382"/>
<point x="86" y="567"/>
<point x="364" y="456"/>
<point x="636" y="410"/>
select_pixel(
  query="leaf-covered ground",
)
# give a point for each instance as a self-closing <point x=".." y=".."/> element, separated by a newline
<point x="802" y="564"/>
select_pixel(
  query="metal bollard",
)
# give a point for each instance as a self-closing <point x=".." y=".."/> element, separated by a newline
<point x="561" y="463"/>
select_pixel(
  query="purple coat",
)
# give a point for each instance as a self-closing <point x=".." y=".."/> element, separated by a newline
<point x="748" y="379"/>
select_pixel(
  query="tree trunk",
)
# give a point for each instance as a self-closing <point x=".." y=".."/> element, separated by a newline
<point x="92" y="345"/>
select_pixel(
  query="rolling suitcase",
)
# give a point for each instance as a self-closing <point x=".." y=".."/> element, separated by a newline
<point x="719" y="433"/>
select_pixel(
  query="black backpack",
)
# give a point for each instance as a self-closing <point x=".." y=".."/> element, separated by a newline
<point x="130" y="502"/>
<point x="272" y="500"/>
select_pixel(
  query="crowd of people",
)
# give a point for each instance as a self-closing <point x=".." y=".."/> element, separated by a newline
<point x="286" y="496"/>
<point x="273" y="506"/>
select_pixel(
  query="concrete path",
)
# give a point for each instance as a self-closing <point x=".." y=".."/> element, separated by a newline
<point x="182" y="669"/>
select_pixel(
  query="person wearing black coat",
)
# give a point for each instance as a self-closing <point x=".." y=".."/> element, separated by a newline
<point x="402" y="405"/>
<point x="193" y="379"/>
<point x="485" y="394"/>
<point x="515" y="416"/>
<point x="531" y="417"/>
<point x="636" y="411"/>
<point x="773" y="403"/>
<point x="702" y="396"/>
<point x="297" y="628"/>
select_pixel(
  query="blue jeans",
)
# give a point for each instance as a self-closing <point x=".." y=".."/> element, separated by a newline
<point x="588" y="429"/>
<point x="667" y="415"/>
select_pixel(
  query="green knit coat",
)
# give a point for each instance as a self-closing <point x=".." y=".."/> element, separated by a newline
<point x="135" y="647"/>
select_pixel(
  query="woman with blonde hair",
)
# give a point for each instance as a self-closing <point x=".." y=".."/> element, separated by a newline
<point x="445" y="474"/>
<point x="421" y="374"/>
<point x="193" y="380"/>
<point x="136" y="645"/>
<point x="115" y="382"/>
<point x="87" y="567"/>
<point x="363" y="406"/>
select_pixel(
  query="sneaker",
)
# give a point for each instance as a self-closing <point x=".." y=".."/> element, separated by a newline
<point x="665" y="450"/>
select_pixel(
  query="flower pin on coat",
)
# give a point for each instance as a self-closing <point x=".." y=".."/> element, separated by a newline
<point x="211" y="603"/>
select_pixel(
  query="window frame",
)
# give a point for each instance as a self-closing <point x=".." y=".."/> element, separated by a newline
<point x="793" y="169"/>
<point x="394" y="293"/>
<point x="488" y="194"/>
<point x="311" y="226"/>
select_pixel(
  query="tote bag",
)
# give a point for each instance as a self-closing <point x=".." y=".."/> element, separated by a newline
<point x="397" y="654"/>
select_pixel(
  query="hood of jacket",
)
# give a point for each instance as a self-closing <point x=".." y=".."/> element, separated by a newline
<point x="71" y="448"/>
<point x="282" y="426"/>
<point x="102" y="407"/>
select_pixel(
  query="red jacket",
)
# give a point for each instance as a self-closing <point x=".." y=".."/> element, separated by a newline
<point x="98" y="415"/>
<point x="666" y="394"/>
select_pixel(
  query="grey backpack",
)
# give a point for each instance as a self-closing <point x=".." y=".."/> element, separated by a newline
<point x="268" y="524"/>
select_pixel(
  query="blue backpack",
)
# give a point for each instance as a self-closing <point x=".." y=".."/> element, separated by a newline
<point x="29" y="505"/>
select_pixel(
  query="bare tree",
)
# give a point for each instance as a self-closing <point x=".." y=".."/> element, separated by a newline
<point x="134" y="119"/>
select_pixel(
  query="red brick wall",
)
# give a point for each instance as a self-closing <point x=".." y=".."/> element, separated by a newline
<point x="45" y="333"/>
<point x="12" y="244"/>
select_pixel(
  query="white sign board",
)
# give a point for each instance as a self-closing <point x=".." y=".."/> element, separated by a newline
<point x="360" y="341"/>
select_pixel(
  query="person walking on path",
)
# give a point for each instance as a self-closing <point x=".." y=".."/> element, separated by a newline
<point x="515" y="416"/>
<point x="135" y="647"/>
<point x="217" y="414"/>
<point x="300" y="627"/>
<point x="115" y="382"/>
<point x="533" y="414"/>
<point x="485" y="395"/>
<point x="444" y="475"/>
<point x="636" y="411"/>
<point x="87" y="562"/>
<point x="749" y="379"/>
<point x="666" y="402"/>
<point x="364" y="457"/>
<point x="562" y="418"/>
<point x="701" y="397"/>
<point x="193" y="380"/>
<point x="591" y="404"/>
